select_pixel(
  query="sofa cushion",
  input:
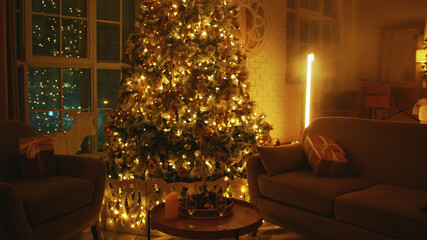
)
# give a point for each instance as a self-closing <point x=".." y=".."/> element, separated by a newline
<point x="282" y="158"/>
<point x="47" y="198"/>
<point x="302" y="189"/>
<point x="388" y="209"/>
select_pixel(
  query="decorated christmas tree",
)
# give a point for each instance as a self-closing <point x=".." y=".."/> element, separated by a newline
<point x="183" y="96"/>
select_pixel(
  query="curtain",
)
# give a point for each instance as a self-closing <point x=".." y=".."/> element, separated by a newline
<point x="9" y="99"/>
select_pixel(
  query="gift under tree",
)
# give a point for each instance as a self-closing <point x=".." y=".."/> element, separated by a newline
<point x="183" y="96"/>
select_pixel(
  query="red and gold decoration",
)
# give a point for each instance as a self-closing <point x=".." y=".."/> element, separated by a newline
<point x="36" y="157"/>
<point x="325" y="157"/>
<point x="184" y="96"/>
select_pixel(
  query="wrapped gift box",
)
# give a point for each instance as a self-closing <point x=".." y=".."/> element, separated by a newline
<point x="325" y="157"/>
<point x="36" y="157"/>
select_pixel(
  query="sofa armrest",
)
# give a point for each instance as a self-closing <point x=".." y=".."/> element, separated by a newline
<point x="253" y="169"/>
<point x="87" y="168"/>
<point x="12" y="215"/>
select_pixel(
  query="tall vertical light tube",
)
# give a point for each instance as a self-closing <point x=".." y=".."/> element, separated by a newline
<point x="310" y="59"/>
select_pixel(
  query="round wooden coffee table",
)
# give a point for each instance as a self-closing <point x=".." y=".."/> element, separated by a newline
<point x="245" y="218"/>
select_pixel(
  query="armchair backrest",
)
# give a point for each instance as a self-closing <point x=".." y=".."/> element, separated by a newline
<point x="10" y="133"/>
<point x="379" y="151"/>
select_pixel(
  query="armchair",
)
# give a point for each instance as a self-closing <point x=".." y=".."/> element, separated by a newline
<point x="56" y="207"/>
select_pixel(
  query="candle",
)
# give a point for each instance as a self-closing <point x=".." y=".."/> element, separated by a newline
<point x="171" y="205"/>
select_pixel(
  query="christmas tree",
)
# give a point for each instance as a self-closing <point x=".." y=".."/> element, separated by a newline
<point x="183" y="96"/>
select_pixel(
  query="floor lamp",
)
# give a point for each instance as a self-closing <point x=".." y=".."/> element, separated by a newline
<point x="310" y="59"/>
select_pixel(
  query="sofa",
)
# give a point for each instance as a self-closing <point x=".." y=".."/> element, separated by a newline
<point x="382" y="194"/>
<point x="52" y="207"/>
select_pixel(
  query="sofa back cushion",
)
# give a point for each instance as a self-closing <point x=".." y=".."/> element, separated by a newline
<point x="10" y="133"/>
<point x="379" y="151"/>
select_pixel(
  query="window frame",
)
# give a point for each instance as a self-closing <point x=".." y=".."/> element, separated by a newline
<point x="27" y="59"/>
<point x="318" y="47"/>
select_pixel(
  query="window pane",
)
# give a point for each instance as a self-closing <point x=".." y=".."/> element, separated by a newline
<point x="290" y="27"/>
<point x="291" y="63"/>
<point x="327" y="33"/>
<point x="43" y="88"/>
<point x="335" y="33"/>
<point x="102" y="118"/>
<point x="46" y="6"/>
<point x="86" y="146"/>
<point x="45" y="35"/>
<point x="45" y="122"/>
<point x="77" y="8"/>
<point x="18" y="35"/>
<point x="128" y="22"/>
<point x="108" y="41"/>
<point x="74" y="33"/>
<point x="108" y="10"/>
<point x="108" y="87"/>
<point x="304" y="4"/>
<point x="290" y="3"/>
<point x="314" y="31"/>
<point x="76" y="88"/>
<point x="314" y="5"/>
<point x="68" y="121"/>
<point x="328" y="8"/>
<point x="303" y="34"/>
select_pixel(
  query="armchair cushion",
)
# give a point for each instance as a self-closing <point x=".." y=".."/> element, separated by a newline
<point x="282" y="158"/>
<point x="46" y="198"/>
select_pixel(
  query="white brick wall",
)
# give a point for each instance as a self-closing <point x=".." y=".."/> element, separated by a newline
<point x="281" y="102"/>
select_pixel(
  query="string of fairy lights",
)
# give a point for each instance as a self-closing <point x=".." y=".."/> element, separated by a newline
<point x="184" y="96"/>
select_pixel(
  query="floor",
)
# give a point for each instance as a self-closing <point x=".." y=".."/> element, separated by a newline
<point x="267" y="231"/>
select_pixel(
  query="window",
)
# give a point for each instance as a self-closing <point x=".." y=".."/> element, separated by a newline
<point x="72" y="60"/>
<point x="311" y="26"/>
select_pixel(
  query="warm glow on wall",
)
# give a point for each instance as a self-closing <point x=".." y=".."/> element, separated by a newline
<point x="421" y="55"/>
<point x="310" y="59"/>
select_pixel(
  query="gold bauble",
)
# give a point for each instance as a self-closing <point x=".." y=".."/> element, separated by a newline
<point x="129" y="162"/>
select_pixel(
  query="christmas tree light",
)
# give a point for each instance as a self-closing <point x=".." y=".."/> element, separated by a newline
<point x="184" y="96"/>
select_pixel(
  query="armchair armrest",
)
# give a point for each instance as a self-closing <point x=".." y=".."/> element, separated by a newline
<point x="87" y="168"/>
<point x="13" y="221"/>
<point x="254" y="168"/>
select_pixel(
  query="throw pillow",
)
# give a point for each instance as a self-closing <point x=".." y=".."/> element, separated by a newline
<point x="325" y="157"/>
<point x="282" y="158"/>
<point x="36" y="157"/>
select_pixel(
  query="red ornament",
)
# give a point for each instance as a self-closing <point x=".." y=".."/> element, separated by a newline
<point x="221" y="112"/>
<point x="217" y="156"/>
<point x="188" y="39"/>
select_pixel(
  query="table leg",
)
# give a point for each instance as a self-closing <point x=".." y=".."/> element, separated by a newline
<point x="254" y="233"/>
<point x="148" y="225"/>
<point x="236" y="234"/>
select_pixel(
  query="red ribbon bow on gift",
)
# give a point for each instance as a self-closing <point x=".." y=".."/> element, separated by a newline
<point x="32" y="147"/>
<point x="329" y="149"/>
